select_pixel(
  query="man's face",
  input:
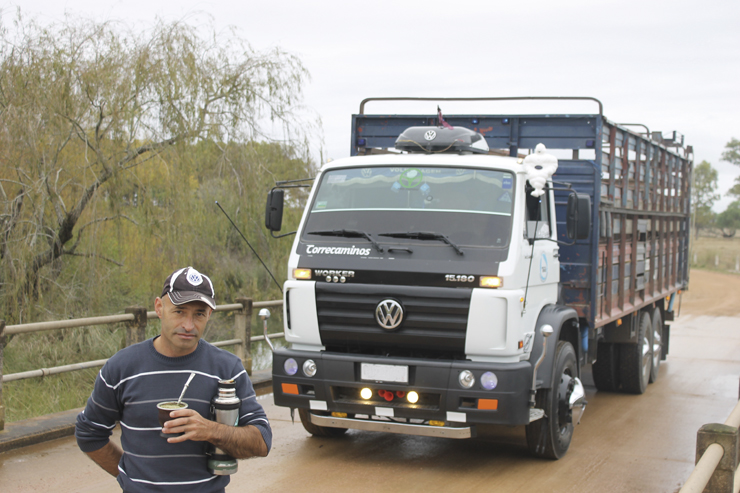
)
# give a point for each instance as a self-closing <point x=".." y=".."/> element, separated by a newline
<point x="182" y="326"/>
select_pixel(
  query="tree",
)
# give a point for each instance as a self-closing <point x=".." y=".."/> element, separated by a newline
<point x="732" y="155"/>
<point x="703" y="195"/>
<point x="86" y="108"/>
<point x="729" y="219"/>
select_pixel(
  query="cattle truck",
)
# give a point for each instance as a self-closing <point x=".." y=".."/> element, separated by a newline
<point x="462" y="271"/>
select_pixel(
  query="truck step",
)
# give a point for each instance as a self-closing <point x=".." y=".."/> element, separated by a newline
<point x="535" y="414"/>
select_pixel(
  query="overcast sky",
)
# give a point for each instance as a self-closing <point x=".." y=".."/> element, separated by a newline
<point x="671" y="65"/>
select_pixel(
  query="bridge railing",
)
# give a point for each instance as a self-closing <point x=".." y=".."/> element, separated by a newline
<point x="136" y="319"/>
<point x="717" y="456"/>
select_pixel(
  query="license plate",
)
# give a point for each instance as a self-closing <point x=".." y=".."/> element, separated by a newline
<point x="384" y="373"/>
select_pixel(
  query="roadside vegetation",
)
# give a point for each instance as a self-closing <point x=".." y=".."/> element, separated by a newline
<point x="114" y="147"/>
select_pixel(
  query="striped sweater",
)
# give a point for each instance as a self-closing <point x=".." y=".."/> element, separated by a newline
<point x="127" y="391"/>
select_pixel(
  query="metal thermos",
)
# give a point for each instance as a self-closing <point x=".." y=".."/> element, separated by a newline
<point x="225" y="410"/>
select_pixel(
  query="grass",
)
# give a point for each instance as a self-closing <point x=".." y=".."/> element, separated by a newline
<point x="44" y="395"/>
<point x="715" y="253"/>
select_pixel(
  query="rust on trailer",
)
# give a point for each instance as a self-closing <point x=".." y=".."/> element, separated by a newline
<point x="643" y="243"/>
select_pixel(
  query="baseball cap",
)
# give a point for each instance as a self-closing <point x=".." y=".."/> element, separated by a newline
<point x="186" y="285"/>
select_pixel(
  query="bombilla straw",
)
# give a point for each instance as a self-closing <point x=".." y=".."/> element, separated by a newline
<point x="186" y="387"/>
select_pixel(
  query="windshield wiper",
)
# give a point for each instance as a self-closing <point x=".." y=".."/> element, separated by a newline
<point x="423" y="235"/>
<point x="348" y="233"/>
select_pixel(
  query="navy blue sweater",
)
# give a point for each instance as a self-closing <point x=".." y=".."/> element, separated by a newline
<point x="128" y="389"/>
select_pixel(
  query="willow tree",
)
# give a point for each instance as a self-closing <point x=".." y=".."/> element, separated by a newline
<point x="84" y="105"/>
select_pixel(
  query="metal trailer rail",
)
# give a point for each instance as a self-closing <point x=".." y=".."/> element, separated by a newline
<point x="716" y="458"/>
<point x="136" y="322"/>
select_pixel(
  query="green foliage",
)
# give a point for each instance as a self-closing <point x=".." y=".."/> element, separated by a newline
<point x="729" y="219"/>
<point x="114" y="146"/>
<point x="703" y="194"/>
<point x="732" y="152"/>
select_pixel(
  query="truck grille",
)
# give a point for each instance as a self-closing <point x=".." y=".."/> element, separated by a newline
<point x="434" y="320"/>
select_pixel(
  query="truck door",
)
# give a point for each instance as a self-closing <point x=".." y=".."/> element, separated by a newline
<point x="543" y="255"/>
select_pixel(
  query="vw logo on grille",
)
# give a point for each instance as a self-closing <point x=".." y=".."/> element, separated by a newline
<point x="389" y="314"/>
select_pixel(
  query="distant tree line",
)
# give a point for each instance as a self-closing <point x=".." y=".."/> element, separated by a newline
<point x="704" y="195"/>
<point x="114" y="146"/>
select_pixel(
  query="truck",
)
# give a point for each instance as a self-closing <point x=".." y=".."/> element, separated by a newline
<point x="465" y="270"/>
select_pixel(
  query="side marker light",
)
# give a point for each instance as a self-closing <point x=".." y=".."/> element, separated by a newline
<point x="488" y="404"/>
<point x="434" y="422"/>
<point x="290" y="388"/>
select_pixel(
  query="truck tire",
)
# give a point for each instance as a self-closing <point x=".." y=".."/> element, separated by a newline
<point x="549" y="437"/>
<point x="657" y="344"/>
<point x="604" y="369"/>
<point x="316" y="430"/>
<point x="636" y="360"/>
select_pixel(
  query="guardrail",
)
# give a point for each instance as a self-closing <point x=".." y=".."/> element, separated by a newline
<point x="717" y="455"/>
<point x="136" y="319"/>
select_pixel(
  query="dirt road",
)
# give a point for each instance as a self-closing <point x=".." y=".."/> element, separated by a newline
<point x="625" y="443"/>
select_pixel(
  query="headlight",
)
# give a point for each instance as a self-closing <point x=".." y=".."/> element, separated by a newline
<point x="309" y="368"/>
<point x="489" y="380"/>
<point x="466" y="379"/>
<point x="290" y="366"/>
<point x="302" y="273"/>
<point x="491" y="282"/>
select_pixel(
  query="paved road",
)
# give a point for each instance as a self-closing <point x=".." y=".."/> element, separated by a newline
<point x="625" y="443"/>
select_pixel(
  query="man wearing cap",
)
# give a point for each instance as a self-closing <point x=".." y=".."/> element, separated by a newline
<point x="138" y="377"/>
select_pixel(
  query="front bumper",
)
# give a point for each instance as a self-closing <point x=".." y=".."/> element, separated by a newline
<point x="337" y="384"/>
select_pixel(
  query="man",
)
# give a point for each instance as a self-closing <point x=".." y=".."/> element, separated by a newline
<point x="136" y="378"/>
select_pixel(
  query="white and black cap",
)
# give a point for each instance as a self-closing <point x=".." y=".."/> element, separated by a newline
<point x="186" y="285"/>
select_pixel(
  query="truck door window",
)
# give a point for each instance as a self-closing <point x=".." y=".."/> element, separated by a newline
<point x="538" y="213"/>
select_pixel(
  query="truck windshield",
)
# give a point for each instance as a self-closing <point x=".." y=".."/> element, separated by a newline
<point x="472" y="207"/>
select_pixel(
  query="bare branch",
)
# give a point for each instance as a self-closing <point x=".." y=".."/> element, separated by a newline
<point x="93" y="255"/>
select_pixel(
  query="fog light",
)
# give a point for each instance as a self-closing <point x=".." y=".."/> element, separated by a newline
<point x="412" y="397"/>
<point x="489" y="380"/>
<point x="466" y="379"/>
<point x="290" y="366"/>
<point x="366" y="393"/>
<point x="309" y="368"/>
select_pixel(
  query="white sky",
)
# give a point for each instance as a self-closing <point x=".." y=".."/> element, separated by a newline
<point x="672" y="65"/>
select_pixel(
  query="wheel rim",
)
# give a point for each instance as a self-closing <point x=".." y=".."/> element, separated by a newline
<point x="565" y="413"/>
<point x="657" y="346"/>
<point x="646" y="357"/>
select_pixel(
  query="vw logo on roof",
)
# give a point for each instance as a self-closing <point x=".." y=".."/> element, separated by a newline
<point x="389" y="314"/>
<point x="430" y="135"/>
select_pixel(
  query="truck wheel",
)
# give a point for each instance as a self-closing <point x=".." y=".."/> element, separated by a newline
<point x="657" y="347"/>
<point x="604" y="370"/>
<point x="318" y="431"/>
<point x="637" y="359"/>
<point x="549" y="437"/>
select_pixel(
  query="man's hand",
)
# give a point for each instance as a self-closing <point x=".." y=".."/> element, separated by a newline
<point x="240" y="442"/>
<point x="107" y="457"/>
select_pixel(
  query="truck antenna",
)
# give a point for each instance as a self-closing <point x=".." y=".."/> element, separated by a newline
<point x="250" y="246"/>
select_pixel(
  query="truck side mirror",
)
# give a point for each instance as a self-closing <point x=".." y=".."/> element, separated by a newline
<point x="578" y="217"/>
<point x="274" y="210"/>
